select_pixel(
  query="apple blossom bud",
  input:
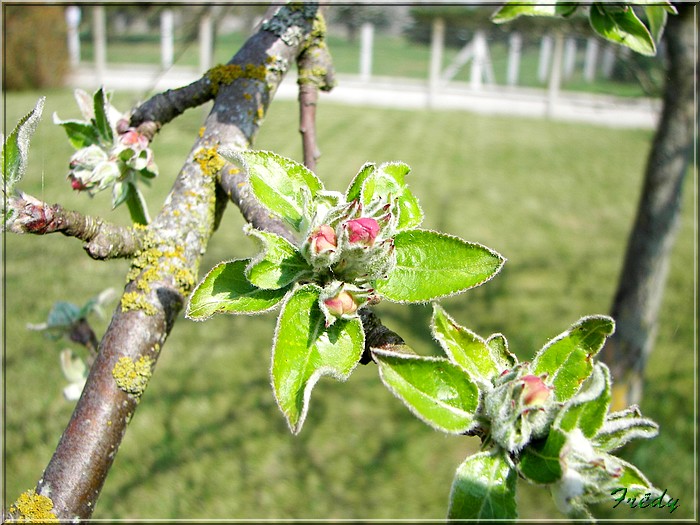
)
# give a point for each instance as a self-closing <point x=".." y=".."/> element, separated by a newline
<point x="362" y="231"/>
<point x="341" y="304"/>
<point x="535" y="392"/>
<point x="323" y="240"/>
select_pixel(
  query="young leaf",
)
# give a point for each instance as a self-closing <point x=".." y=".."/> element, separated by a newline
<point x="484" y="488"/>
<point x="566" y="359"/>
<point x="499" y="346"/>
<point x="80" y="134"/>
<point x="430" y="265"/>
<point x="465" y="348"/>
<point x="13" y="156"/>
<point x="539" y="461"/>
<point x="305" y="349"/>
<point x="102" y="123"/>
<point x="226" y="290"/>
<point x="283" y="186"/>
<point x="622" y="27"/>
<point x="279" y="263"/>
<point x="386" y="184"/>
<point x="354" y="191"/>
<point x="435" y="390"/>
<point x="513" y="10"/>
<point x="588" y="408"/>
<point x="622" y="427"/>
<point x="136" y="204"/>
<point x="657" y="15"/>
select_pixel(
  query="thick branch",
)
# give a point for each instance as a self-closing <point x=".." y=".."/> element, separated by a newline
<point x="643" y="276"/>
<point x="102" y="239"/>
<point x="164" y="272"/>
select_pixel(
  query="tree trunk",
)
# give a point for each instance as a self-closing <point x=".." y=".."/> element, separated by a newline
<point x="643" y="276"/>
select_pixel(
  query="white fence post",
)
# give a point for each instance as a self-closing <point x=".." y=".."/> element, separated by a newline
<point x="206" y="37"/>
<point x="436" y="47"/>
<point x="590" y="61"/>
<point x="545" y="58"/>
<point x="99" y="39"/>
<point x="555" y="77"/>
<point x="569" y="58"/>
<point x="608" y="61"/>
<point x="166" y="38"/>
<point x="515" y="45"/>
<point x="366" y="44"/>
<point x="73" y="21"/>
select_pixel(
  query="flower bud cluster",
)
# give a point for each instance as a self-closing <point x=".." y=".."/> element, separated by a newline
<point x="349" y="246"/>
<point x="99" y="166"/>
<point x="520" y="407"/>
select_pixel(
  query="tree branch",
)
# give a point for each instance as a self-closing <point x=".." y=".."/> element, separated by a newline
<point x="315" y="71"/>
<point x="163" y="273"/>
<point x="102" y="239"/>
<point x="379" y="336"/>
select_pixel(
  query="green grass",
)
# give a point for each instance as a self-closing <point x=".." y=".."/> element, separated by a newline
<point x="393" y="56"/>
<point x="208" y="441"/>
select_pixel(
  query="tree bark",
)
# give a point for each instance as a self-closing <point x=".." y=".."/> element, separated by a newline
<point x="643" y="276"/>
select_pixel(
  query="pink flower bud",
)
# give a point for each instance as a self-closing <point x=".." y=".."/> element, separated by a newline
<point x="323" y="239"/>
<point x="535" y="392"/>
<point x="343" y="303"/>
<point x="363" y="230"/>
<point x="133" y="138"/>
<point x="76" y="183"/>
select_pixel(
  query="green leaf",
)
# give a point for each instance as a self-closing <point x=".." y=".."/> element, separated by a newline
<point x="512" y="10"/>
<point x="15" y="148"/>
<point x="622" y="427"/>
<point x="80" y="134"/>
<point x="282" y="185"/>
<point x="657" y="15"/>
<point x="354" y="191"/>
<point x="588" y="408"/>
<point x="435" y="390"/>
<point x="279" y="263"/>
<point x="101" y="108"/>
<point x="386" y="184"/>
<point x="484" y="488"/>
<point x="465" y="348"/>
<point x="305" y="349"/>
<point x="539" y="461"/>
<point x="499" y="345"/>
<point x="430" y="265"/>
<point x="136" y="204"/>
<point x="226" y="290"/>
<point x="567" y="358"/>
<point x="622" y="27"/>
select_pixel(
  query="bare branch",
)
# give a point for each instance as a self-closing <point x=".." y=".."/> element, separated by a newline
<point x="315" y="71"/>
<point x="102" y="239"/>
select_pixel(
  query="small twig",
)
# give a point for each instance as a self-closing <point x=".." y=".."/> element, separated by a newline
<point x="379" y="336"/>
<point x="164" y="107"/>
<point x="315" y="71"/>
<point x="103" y="240"/>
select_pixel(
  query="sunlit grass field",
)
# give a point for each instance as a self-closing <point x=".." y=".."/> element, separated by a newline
<point x="556" y="199"/>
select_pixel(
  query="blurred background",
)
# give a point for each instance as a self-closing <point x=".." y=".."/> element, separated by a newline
<point x="530" y="138"/>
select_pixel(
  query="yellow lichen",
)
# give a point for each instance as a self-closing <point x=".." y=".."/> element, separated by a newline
<point x="201" y="131"/>
<point x="32" y="507"/>
<point x="137" y="301"/>
<point x="209" y="160"/>
<point x="225" y="74"/>
<point x="132" y="377"/>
